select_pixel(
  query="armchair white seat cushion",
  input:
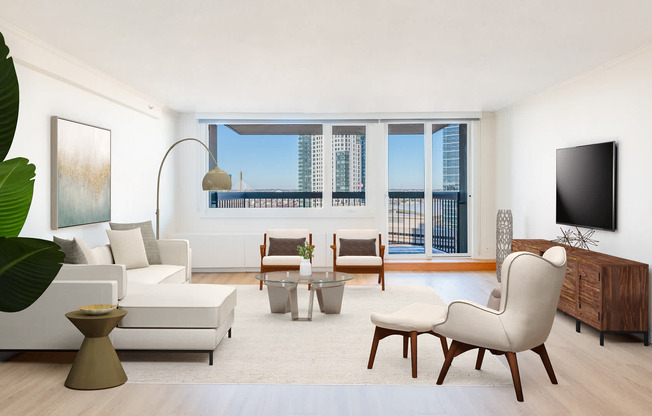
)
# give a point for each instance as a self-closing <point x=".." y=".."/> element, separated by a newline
<point x="359" y="261"/>
<point x="530" y="288"/>
<point x="282" y="260"/>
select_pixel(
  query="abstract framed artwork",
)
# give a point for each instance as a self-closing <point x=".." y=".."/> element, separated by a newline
<point x="81" y="173"/>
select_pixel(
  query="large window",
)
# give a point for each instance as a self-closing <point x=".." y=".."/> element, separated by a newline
<point x="271" y="165"/>
<point x="284" y="165"/>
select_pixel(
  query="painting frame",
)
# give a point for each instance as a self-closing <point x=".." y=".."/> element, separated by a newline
<point x="80" y="173"/>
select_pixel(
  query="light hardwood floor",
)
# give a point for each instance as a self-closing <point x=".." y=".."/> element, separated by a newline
<point x="612" y="380"/>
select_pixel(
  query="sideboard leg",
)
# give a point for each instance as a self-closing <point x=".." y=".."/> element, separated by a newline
<point x="601" y="339"/>
<point x="577" y="326"/>
<point x="646" y="338"/>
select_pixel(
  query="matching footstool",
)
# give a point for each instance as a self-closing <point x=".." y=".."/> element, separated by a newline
<point x="408" y="322"/>
<point x="175" y="318"/>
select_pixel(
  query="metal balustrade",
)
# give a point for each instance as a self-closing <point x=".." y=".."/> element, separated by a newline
<point x="406" y="214"/>
<point x="407" y="222"/>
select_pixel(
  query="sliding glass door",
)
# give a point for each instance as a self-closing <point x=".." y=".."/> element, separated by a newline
<point x="428" y="189"/>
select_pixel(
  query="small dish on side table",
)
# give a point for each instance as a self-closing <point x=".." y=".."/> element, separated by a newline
<point x="97" y="309"/>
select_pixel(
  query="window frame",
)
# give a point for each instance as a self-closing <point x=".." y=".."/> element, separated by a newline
<point x="327" y="210"/>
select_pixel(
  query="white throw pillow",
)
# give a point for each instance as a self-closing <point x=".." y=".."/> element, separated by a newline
<point x="128" y="248"/>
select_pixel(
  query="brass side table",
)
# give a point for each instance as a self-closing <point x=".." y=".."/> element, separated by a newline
<point x="97" y="365"/>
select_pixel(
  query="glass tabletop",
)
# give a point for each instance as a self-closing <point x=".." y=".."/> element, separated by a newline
<point x="293" y="276"/>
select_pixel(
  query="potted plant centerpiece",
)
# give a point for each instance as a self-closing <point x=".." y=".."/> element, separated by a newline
<point x="306" y="251"/>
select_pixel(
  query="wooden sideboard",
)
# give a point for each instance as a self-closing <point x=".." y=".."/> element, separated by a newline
<point x="605" y="292"/>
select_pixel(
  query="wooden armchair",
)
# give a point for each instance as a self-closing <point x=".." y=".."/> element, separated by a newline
<point x="279" y="250"/>
<point x="359" y="251"/>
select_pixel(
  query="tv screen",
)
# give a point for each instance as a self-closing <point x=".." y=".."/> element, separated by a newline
<point x="586" y="186"/>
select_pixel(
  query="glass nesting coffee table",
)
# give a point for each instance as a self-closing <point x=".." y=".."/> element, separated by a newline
<point x="282" y="291"/>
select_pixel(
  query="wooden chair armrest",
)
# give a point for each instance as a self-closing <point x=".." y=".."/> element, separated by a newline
<point x="382" y="251"/>
<point x="262" y="250"/>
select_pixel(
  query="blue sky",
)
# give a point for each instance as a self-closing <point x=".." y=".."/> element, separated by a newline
<point x="406" y="162"/>
<point x="270" y="162"/>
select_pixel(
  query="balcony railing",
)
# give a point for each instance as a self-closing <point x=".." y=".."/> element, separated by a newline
<point x="265" y="199"/>
<point x="407" y="221"/>
<point x="283" y="199"/>
<point x="406" y="213"/>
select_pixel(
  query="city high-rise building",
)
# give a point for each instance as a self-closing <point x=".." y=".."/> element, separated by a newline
<point x="305" y="163"/>
<point x="451" y="157"/>
<point x="347" y="163"/>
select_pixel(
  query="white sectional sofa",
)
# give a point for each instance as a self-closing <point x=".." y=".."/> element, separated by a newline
<point x="164" y="311"/>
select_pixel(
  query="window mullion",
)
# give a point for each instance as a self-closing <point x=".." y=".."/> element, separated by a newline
<point x="428" y="166"/>
<point x="327" y="163"/>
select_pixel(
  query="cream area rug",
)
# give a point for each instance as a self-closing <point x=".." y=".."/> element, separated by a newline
<point x="270" y="348"/>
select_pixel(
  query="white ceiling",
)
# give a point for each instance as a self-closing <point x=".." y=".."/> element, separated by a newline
<point x="338" y="56"/>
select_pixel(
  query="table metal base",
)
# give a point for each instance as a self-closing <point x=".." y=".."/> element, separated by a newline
<point x="283" y="298"/>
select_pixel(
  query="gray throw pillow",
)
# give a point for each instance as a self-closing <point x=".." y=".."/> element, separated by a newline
<point x="72" y="250"/>
<point x="285" y="246"/>
<point x="146" y="229"/>
<point x="357" y="247"/>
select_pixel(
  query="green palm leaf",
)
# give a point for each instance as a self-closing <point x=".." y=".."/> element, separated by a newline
<point x="9" y="97"/>
<point x="16" y="190"/>
<point x="27" y="267"/>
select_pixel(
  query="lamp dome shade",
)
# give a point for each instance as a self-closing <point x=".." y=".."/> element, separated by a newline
<point x="216" y="180"/>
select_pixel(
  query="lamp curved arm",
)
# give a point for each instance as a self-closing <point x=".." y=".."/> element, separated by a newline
<point x="160" y="169"/>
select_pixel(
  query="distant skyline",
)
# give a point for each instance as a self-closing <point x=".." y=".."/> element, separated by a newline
<point x="270" y="161"/>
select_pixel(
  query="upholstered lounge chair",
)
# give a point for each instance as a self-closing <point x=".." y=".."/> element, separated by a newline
<point x="279" y="250"/>
<point x="359" y="251"/>
<point x="530" y="290"/>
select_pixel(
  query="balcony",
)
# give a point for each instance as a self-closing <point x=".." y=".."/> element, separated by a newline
<point x="406" y="227"/>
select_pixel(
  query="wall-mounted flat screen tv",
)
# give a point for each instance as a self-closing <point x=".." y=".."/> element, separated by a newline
<point x="586" y="186"/>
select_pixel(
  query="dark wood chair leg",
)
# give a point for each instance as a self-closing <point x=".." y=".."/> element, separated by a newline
<point x="444" y="345"/>
<point x="543" y="353"/>
<point x="374" y="347"/>
<point x="261" y="285"/>
<point x="382" y="278"/>
<point x="478" y="361"/>
<point x="516" y="377"/>
<point x="413" y="344"/>
<point x="405" y="345"/>
<point x="454" y="350"/>
<point x="448" y="361"/>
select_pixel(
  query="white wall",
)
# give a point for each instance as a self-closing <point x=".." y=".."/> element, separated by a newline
<point x="54" y="84"/>
<point x="613" y="102"/>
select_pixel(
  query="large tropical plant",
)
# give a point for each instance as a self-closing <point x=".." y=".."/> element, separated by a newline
<point x="27" y="265"/>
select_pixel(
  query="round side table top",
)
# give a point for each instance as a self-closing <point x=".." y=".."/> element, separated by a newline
<point x="96" y="325"/>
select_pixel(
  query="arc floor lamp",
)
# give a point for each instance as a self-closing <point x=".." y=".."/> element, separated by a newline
<point x="215" y="180"/>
